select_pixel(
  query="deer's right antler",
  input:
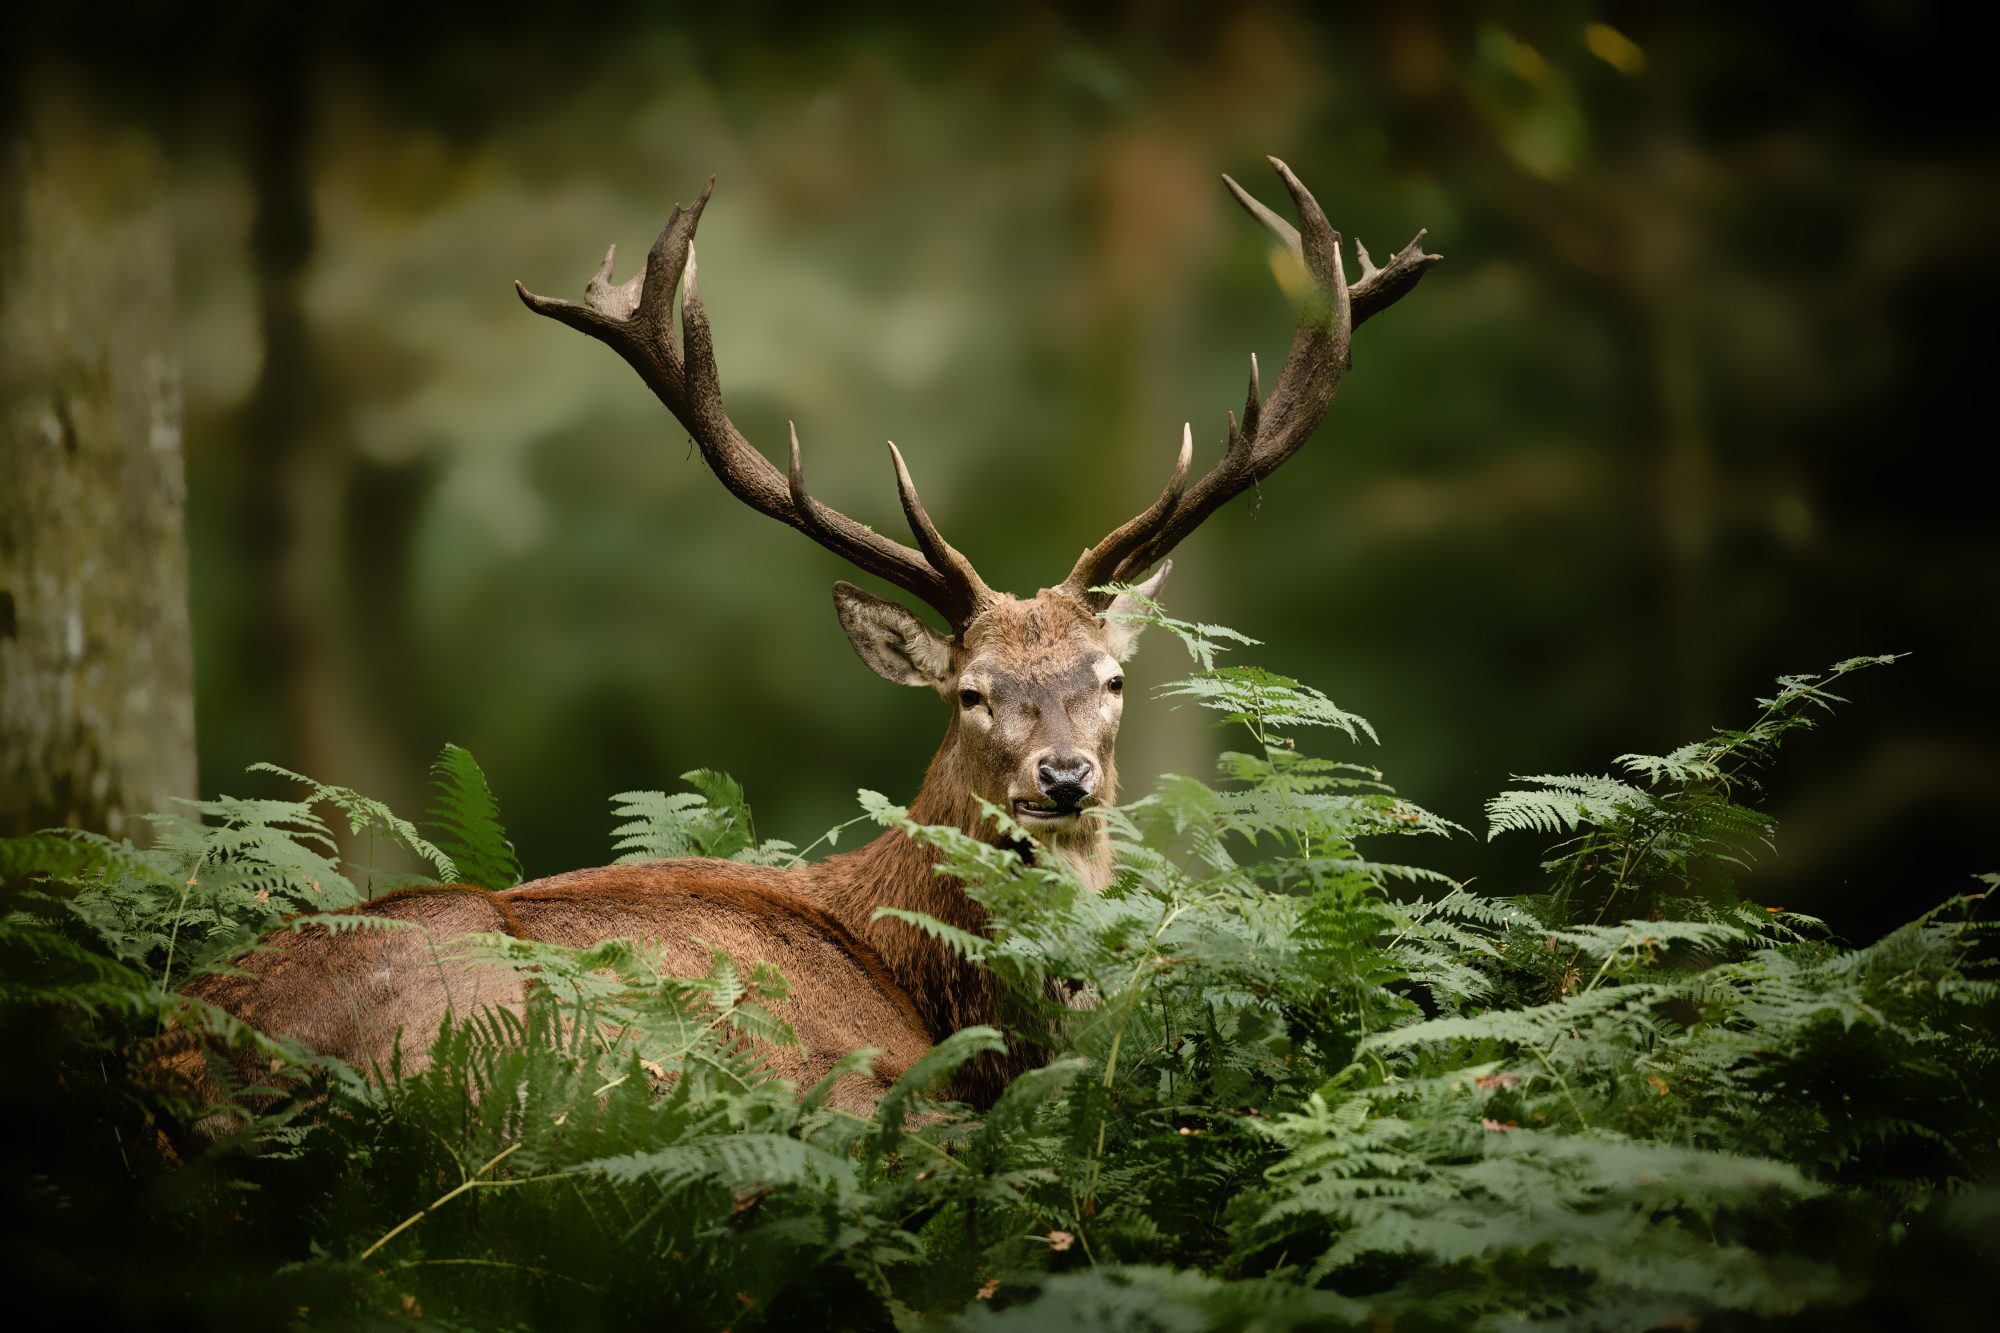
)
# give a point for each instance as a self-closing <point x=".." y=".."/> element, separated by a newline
<point x="635" y="318"/>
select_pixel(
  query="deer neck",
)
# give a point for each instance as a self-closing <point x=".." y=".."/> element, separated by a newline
<point x="895" y="871"/>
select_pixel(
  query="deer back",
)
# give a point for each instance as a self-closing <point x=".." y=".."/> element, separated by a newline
<point x="841" y="995"/>
<point x="372" y="996"/>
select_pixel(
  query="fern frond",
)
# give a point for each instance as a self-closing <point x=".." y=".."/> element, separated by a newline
<point x="929" y="1073"/>
<point x="467" y="820"/>
<point x="364" y="815"/>
<point x="973" y="948"/>
<point x="713" y="820"/>
<point x="1563" y="803"/>
<point x="1696" y="761"/>
<point x="1267" y="701"/>
<point x="658" y="826"/>
<point x="72" y="856"/>
<point x="737" y="1161"/>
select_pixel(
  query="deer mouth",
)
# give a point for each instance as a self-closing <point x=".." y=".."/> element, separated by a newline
<point x="1044" y="812"/>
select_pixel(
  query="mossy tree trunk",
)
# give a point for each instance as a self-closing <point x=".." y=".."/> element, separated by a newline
<point x="96" y="665"/>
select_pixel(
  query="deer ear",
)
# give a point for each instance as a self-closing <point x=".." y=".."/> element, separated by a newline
<point x="896" y="645"/>
<point x="1123" y="634"/>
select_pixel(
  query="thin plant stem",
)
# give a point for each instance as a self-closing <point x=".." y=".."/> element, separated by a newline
<point x="469" y="1183"/>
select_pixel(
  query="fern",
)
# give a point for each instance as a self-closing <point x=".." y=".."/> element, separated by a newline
<point x="713" y="820"/>
<point x="1282" y="1075"/>
<point x="658" y="827"/>
<point x="1562" y="804"/>
<point x="67" y="855"/>
<point x="964" y="943"/>
<point x="1267" y="702"/>
<point x="1676" y="842"/>
<point x="467" y="820"/>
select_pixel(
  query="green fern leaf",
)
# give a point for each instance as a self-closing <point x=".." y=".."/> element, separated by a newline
<point x="467" y="822"/>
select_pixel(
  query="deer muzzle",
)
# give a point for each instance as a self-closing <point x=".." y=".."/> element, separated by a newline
<point x="1067" y="780"/>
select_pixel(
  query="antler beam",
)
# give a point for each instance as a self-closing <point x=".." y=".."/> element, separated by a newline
<point x="1273" y="428"/>
<point x="635" y="319"/>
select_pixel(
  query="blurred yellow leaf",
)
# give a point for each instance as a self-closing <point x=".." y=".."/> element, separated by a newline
<point x="1290" y="271"/>
<point x="1614" y="48"/>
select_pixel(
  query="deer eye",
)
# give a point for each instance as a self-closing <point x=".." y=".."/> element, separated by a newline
<point x="1116" y="684"/>
<point x="971" y="698"/>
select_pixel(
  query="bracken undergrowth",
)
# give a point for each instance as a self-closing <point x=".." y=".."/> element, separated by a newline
<point x="1309" y="1084"/>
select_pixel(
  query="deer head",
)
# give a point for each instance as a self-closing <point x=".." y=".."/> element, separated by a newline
<point x="1035" y="685"/>
<point x="1036" y="689"/>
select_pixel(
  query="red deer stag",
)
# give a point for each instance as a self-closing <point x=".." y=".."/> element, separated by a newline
<point x="1033" y="685"/>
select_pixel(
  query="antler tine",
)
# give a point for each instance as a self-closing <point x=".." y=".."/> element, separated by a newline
<point x="966" y="585"/>
<point x="814" y="516"/>
<point x="635" y="318"/>
<point x="672" y="256"/>
<point x="1273" y="428"/>
<point x="1287" y="234"/>
<point x="1122" y="541"/>
<point x="1321" y="242"/>
<point x="1382" y="287"/>
<point x="617" y="301"/>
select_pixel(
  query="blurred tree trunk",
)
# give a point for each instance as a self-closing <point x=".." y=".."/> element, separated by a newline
<point x="296" y="456"/>
<point x="96" y="664"/>
<point x="283" y="457"/>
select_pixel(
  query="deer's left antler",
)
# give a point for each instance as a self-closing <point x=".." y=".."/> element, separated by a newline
<point x="1273" y="428"/>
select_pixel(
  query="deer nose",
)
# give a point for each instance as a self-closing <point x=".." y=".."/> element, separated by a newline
<point x="1067" y="778"/>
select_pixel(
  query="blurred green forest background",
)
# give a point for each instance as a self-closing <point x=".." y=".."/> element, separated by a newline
<point x="1696" y="398"/>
